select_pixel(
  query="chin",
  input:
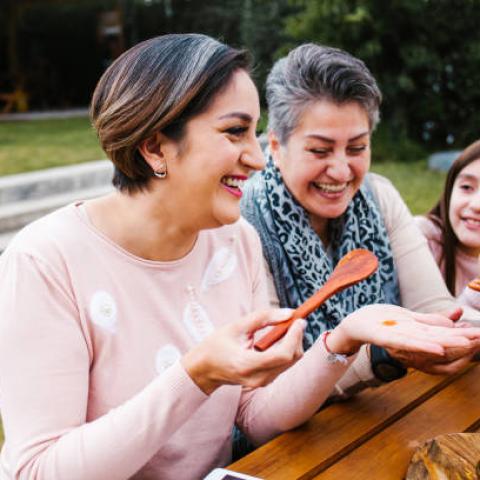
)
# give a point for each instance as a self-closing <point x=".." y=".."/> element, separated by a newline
<point x="227" y="217"/>
<point x="331" y="213"/>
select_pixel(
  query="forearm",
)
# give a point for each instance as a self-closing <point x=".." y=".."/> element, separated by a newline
<point x="358" y="377"/>
<point x="114" y="446"/>
<point x="292" y="398"/>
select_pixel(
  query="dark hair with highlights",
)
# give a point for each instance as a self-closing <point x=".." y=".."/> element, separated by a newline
<point x="157" y="86"/>
<point x="439" y="213"/>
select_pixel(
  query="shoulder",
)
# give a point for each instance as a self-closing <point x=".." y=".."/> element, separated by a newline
<point x="382" y="186"/>
<point x="46" y="238"/>
<point x="392" y="207"/>
<point x="430" y="229"/>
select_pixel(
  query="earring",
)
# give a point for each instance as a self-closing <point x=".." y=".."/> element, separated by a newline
<point x="161" y="172"/>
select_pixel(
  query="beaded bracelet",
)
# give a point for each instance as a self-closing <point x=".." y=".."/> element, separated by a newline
<point x="331" y="356"/>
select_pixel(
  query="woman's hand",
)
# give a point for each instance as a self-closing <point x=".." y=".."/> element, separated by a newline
<point x="228" y="357"/>
<point x="454" y="359"/>
<point x="397" y="328"/>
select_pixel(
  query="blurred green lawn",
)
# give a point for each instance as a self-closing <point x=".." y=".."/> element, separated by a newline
<point x="33" y="145"/>
<point x="419" y="187"/>
<point x="26" y="146"/>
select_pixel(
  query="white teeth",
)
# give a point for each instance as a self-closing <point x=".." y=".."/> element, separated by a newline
<point x="472" y="220"/>
<point x="233" y="182"/>
<point x="330" y="187"/>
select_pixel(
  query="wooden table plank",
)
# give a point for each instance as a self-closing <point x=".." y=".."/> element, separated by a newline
<point x="456" y="408"/>
<point x="337" y="430"/>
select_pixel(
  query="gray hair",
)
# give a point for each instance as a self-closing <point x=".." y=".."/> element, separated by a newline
<point x="313" y="72"/>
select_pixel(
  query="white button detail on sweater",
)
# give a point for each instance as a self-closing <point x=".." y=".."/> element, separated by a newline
<point x="103" y="311"/>
<point x="196" y="321"/>
<point x="166" y="357"/>
<point x="221" y="266"/>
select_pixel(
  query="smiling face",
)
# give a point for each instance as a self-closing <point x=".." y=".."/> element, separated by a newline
<point x="464" y="210"/>
<point x="215" y="156"/>
<point x="325" y="159"/>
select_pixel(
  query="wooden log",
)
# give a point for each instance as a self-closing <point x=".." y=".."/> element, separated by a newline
<point x="447" y="457"/>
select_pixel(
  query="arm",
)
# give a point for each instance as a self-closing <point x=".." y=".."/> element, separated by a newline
<point x="45" y="358"/>
<point x="359" y="374"/>
<point x="422" y="286"/>
<point x="421" y="283"/>
<point x="298" y="393"/>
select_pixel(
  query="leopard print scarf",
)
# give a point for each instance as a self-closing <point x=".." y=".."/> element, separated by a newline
<point x="298" y="260"/>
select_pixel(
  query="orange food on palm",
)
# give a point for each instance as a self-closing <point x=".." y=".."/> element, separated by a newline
<point x="389" y="323"/>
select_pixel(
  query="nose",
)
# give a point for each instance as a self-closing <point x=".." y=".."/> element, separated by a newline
<point x="339" y="170"/>
<point x="475" y="201"/>
<point x="252" y="157"/>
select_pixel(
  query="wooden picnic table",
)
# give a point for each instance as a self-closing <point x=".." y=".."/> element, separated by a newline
<point x="374" y="434"/>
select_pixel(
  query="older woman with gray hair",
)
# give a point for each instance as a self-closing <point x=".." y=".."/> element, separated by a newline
<point x="315" y="201"/>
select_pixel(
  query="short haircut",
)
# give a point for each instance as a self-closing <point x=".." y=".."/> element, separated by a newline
<point x="310" y="73"/>
<point x="157" y="86"/>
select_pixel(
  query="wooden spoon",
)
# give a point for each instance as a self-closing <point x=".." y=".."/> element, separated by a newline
<point x="352" y="268"/>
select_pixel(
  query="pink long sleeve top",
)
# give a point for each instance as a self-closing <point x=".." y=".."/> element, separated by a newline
<point x="91" y="386"/>
<point x="466" y="266"/>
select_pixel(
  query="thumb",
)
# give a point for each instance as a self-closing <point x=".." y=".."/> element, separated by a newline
<point x="453" y="314"/>
<point x="258" y="320"/>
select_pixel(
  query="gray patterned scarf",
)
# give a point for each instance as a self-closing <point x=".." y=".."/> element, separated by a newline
<point x="298" y="260"/>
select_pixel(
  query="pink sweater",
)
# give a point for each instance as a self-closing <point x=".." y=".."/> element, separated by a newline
<point x="90" y="338"/>
<point x="466" y="266"/>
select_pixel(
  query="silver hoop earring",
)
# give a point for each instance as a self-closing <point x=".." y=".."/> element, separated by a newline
<point x="161" y="173"/>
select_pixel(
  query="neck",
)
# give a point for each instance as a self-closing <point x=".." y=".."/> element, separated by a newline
<point x="143" y="224"/>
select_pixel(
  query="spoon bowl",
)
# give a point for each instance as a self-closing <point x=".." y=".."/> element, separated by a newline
<point x="353" y="267"/>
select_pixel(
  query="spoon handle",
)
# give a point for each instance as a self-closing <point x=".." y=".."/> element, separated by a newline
<point x="306" y="308"/>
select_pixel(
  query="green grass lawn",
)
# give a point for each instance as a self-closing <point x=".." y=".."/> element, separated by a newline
<point x="33" y="145"/>
<point x="419" y="186"/>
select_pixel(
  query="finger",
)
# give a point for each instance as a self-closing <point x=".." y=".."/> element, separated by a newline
<point x="472" y="333"/>
<point x="287" y="350"/>
<point x="454" y="313"/>
<point x="451" y="367"/>
<point x="293" y="339"/>
<point x="433" y="319"/>
<point x="257" y="320"/>
<point x="443" y="337"/>
<point x="412" y="343"/>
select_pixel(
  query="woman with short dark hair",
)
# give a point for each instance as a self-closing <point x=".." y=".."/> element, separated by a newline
<point x="126" y="332"/>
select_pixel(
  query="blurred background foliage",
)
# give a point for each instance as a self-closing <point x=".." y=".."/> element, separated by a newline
<point x="425" y="54"/>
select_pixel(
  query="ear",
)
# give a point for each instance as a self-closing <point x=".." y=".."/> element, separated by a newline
<point x="155" y="150"/>
<point x="274" y="146"/>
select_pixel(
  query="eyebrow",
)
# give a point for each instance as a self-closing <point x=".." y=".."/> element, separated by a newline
<point x="241" y="115"/>
<point x="467" y="176"/>
<point x="331" y="140"/>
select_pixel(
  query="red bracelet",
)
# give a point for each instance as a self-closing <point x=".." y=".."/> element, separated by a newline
<point x="331" y="356"/>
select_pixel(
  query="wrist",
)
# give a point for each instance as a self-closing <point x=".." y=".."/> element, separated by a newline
<point x="197" y="368"/>
<point x="340" y="343"/>
<point x="385" y="367"/>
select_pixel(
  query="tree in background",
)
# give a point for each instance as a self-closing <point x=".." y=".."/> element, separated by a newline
<point x="425" y="55"/>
